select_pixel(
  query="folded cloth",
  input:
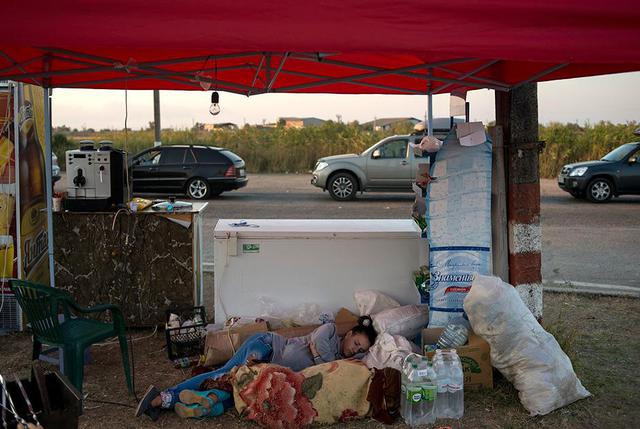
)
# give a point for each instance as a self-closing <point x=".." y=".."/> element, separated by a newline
<point x="389" y="351"/>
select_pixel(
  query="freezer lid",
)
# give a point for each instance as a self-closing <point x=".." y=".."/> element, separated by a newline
<point x="317" y="228"/>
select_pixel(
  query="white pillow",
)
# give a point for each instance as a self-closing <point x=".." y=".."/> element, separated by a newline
<point x="407" y="320"/>
<point x="372" y="302"/>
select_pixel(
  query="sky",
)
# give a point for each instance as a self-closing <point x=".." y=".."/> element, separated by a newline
<point x="614" y="98"/>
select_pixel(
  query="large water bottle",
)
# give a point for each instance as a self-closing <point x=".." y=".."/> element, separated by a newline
<point x="419" y="391"/>
<point x="450" y="399"/>
<point x="455" y="334"/>
<point x="428" y="388"/>
<point x="407" y="390"/>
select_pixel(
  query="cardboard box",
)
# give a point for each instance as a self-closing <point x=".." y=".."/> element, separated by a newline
<point x="219" y="346"/>
<point x="475" y="357"/>
<point x="296" y="331"/>
<point x="344" y="320"/>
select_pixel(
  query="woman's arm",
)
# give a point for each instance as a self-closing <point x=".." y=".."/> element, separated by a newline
<point x="324" y="343"/>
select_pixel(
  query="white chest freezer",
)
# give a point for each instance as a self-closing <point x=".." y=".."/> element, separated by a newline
<point x="293" y="262"/>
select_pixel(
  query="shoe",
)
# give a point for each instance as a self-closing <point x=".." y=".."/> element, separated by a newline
<point x="191" y="411"/>
<point x="197" y="397"/>
<point x="144" y="406"/>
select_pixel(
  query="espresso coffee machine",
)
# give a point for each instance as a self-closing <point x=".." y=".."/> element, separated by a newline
<point x="96" y="177"/>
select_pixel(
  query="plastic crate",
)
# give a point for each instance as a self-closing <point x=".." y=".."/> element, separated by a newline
<point x="186" y="341"/>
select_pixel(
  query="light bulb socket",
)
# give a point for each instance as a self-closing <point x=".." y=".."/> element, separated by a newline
<point x="215" y="97"/>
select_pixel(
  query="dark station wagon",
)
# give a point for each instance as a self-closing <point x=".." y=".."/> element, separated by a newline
<point x="200" y="172"/>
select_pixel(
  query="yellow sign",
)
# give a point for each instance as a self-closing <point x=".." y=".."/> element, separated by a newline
<point x="31" y="167"/>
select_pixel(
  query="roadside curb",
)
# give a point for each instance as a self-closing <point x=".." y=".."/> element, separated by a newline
<point x="592" y="289"/>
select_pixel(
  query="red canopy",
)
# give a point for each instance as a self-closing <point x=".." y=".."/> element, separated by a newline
<point x="331" y="46"/>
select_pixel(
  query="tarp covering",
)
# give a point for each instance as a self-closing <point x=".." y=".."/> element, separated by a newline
<point x="334" y="46"/>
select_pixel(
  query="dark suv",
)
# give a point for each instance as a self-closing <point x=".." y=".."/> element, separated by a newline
<point x="617" y="173"/>
<point x="198" y="171"/>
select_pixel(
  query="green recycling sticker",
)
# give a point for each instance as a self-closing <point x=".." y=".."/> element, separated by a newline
<point x="251" y="248"/>
<point x="470" y="365"/>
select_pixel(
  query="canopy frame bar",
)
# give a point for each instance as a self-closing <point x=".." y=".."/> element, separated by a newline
<point x="192" y="77"/>
<point x="467" y="75"/>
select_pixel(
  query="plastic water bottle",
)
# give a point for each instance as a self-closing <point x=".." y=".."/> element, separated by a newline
<point x="419" y="390"/>
<point x="450" y="379"/>
<point x="429" y="389"/>
<point x="455" y="334"/>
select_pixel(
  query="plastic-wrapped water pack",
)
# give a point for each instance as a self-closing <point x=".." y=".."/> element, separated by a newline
<point x="526" y="354"/>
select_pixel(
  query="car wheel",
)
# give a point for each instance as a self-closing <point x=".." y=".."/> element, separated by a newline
<point x="343" y="186"/>
<point x="198" y="189"/>
<point x="600" y="190"/>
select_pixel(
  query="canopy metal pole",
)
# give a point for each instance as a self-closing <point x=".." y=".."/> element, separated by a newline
<point x="429" y="109"/>
<point x="48" y="181"/>
<point x="156" y="117"/>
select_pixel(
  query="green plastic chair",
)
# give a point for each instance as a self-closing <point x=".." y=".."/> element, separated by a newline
<point x="41" y="304"/>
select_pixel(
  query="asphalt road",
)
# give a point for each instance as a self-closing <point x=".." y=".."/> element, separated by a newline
<point x="588" y="246"/>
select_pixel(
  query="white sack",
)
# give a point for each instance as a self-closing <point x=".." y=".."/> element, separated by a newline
<point x="372" y="302"/>
<point x="526" y="354"/>
<point x="389" y="351"/>
<point x="407" y="320"/>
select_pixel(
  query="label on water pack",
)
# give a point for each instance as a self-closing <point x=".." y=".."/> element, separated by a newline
<point x="453" y="269"/>
<point x="453" y="388"/>
<point x="429" y="393"/>
<point x="414" y="394"/>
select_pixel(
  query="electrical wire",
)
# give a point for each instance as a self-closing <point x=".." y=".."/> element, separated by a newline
<point x="114" y="340"/>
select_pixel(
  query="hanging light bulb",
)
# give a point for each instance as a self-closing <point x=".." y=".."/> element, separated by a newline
<point x="214" y="109"/>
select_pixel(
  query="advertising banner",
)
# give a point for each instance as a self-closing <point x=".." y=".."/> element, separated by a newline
<point x="8" y="241"/>
<point x="34" y="261"/>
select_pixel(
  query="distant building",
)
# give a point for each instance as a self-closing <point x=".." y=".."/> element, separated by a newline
<point x="220" y="127"/>
<point x="300" y="122"/>
<point x="385" y="124"/>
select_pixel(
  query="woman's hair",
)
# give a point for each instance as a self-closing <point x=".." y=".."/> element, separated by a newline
<point x="365" y="326"/>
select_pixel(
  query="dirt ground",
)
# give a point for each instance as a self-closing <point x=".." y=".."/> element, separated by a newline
<point x="600" y="334"/>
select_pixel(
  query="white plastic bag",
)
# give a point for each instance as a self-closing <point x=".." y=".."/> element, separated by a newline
<point x="430" y="144"/>
<point x="389" y="351"/>
<point x="407" y="320"/>
<point x="304" y="314"/>
<point x="371" y="302"/>
<point x="526" y="354"/>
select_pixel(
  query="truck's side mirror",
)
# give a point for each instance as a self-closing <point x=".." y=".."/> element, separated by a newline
<point x="376" y="154"/>
<point x="633" y="160"/>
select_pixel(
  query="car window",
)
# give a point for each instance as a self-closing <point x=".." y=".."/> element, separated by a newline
<point x="393" y="149"/>
<point x="172" y="156"/>
<point x="210" y="156"/>
<point x="189" y="158"/>
<point x="149" y="158"/>
<point x="232" y="156"/>
<point x="619" y="153"/>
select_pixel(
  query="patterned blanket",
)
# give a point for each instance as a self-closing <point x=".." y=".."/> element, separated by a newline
<point x="276" y="397"/>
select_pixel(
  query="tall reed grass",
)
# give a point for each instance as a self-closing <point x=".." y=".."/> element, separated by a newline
<point x="290" y="150"/>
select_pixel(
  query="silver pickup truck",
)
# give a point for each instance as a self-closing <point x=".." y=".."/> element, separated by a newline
<point x="388" y="166"/>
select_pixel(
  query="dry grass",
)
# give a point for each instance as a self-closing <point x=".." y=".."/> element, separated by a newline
<point x="600" y="334"/>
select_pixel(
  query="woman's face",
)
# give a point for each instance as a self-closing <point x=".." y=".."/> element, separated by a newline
<point x="353" y="344"/>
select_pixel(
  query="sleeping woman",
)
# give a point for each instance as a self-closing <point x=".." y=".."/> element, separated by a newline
<point x="322" y="345"/>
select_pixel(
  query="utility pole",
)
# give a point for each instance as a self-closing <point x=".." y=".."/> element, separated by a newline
<point x="156" y="117"/>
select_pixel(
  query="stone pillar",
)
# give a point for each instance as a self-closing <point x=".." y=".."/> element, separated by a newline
<point x="517" y="113"/>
